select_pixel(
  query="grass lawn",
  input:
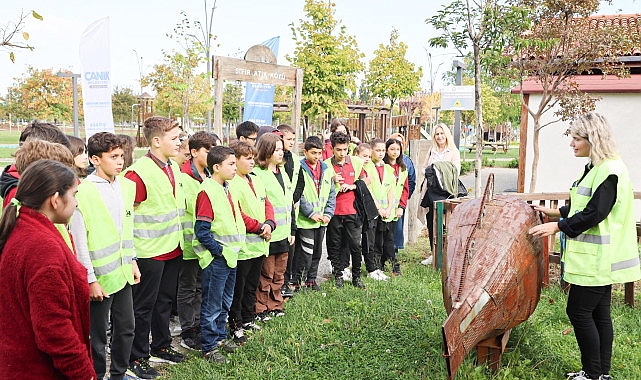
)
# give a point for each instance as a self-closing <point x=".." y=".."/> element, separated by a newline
<point x="392" y="330"/>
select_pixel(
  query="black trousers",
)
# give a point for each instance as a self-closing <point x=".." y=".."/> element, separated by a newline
<point x="309" y="250"/>
<point x="189" y="296"/>
<point x="384" y="247"/>
<point x="153" y="298"/>
<point x="120" y="304"/>
<point x="344" y="228"/>
<point x="244" y="302"/>
<point x="368" y="239"/>
<point x="589" y="311"/>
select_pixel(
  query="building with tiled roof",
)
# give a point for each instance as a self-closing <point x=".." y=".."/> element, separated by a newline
<point x="620" y="103"/>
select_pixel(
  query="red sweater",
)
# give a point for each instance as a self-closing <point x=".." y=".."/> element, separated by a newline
<point x="44" y="318"/>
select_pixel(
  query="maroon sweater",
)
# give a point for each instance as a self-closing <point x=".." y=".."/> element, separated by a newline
<point x="44" y="305"/>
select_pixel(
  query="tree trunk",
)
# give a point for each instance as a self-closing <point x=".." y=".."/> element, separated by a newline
<point x="479" y="120"/>
<point x="535" y="155"/>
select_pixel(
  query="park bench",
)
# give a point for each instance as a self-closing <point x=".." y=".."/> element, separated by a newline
<point x="492" y="145"/>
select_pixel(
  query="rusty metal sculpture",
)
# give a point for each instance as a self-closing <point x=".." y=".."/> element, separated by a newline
<point x="492" y="275"/>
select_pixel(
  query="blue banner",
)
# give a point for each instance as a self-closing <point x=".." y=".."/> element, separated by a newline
<point x="259" y="98"/>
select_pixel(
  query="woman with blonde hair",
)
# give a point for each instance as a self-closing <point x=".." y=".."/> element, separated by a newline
<point x="443" y="148"/>
<point x="600" y="225"/>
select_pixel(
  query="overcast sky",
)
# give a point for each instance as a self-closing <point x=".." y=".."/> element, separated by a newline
<point x="238" y="24"/>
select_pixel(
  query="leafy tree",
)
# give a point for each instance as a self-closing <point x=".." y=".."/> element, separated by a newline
<point x="391" y="76"/>
<point x="10" y="32"/>
<point x="481" y="25"/>
<point x="232" y="102"/>
<point x="329" y="57"/>
<point x="561" y="45"/>
<point x="122" y="100"/>
<point x="40" y="94"/>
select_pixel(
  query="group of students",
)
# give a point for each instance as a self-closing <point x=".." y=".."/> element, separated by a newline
<point x="221" y="236"/>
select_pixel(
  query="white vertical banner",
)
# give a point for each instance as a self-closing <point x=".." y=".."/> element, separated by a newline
<point x="95" y="61"/>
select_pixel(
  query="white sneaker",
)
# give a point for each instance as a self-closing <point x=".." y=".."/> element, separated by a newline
<point x="374" y="275"/>
<point x="347" y="274"/>
<point x="581" y="375"/>
<point x="428" y="261"/>
<point x="382" y="275"/>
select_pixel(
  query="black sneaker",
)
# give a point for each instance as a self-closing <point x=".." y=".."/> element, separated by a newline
<point x="227" y="346"/>
<point x="277" y="313"/>
<point x="191" y="343"/>
<point x="214" y="356"/>
<point x="251" y="326"/>
<point x="141" y="369"/>
<point x="238" y="336"/>
<point x="358" y="283"/>
<point x="263" y="317"/>
<point x="313" y="285"/>
<point x="166" y="355"/>
<point x="287" y="291"/>
<point x="339" y="282"/>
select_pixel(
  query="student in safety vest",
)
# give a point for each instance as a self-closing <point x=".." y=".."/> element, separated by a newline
<point x="399" y="235"/>
<point x="316" y="209"/>
<point x="158" y="238"/>
<point x="381" y="185"/>
<point x="291" y="163"/>
<point x="220" y="236"/>
<point x="269" y="158"/>
<point x="247" y="131"/>
<point x="345" y="226"/>
<point x="192" y="172"/>
<point x="102" y="227"/>
<point x="601" y="250"/>
<point x="258" y="213"/>
<point x="387" y="226"/>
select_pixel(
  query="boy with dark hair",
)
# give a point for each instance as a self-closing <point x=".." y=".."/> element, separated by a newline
<point x="291" y="163"/>
<point x="316" y="208"/>
<point x="345" y="226"/>
<point x="102" y="227"/>
<point x="158" y="239"/>
<point x="247" y="131"/>
<point x="192" y="172"/>
<point x="219" y="237"/>
<point x="258" y="213"/>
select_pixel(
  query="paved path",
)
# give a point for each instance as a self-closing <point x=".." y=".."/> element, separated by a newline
<point x="504" y="179"/>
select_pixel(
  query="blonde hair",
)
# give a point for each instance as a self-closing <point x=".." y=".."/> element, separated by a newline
<point x="597" y="131"/>
<point x="449" y="139"/>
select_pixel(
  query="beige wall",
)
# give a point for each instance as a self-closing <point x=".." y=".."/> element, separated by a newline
<point x="558" y="167"/>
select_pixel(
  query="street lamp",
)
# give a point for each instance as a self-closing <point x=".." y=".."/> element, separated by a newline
<point x="74" y="83"/>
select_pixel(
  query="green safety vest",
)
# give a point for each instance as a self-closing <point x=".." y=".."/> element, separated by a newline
<point x="64" y="232"/>
<point x="296" y="170"/>
<point x="230" y="235"/>
<point x="398" y="189"/>
<point x="606" y="253"/>
<point x="253" y="205"/>
<point x="111" y="252"/>
<point x="157" y="221"/>
<point x="281" y="200"/>
<point x="191" y="187"/>
<point x="318" y="200"/>
<point x="381" y="187"/>
<point x="357" y="163"/>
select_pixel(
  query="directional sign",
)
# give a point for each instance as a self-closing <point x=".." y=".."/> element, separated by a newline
<point x="457" y="98"/>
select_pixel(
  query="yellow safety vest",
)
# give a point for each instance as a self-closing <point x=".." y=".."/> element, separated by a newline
<point x="111" y="252"/>
<point x="606" y="253"/>
<point x="230" y="235"/>
<point x="191" y="187"/>
<point x="157" y="221"/>
<point x="253" y="205"/>
<point x="381" y="187"/>
<point x="281" y="200"/>
<point x="398" y="189"/>
<point x="318" y="200"/>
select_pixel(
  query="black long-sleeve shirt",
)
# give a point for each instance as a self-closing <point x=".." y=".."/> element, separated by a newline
<point x="597" y="209"/>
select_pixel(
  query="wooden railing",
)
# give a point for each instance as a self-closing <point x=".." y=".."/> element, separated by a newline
<point x="444" y="208"/>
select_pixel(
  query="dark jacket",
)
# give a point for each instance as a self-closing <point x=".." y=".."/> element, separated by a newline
<point x="364" y="203"/>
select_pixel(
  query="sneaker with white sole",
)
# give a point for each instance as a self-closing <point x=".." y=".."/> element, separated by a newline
<point x="141" y="369"/>
<point x="382" y="275"/>
<point x="374" y="275"/>
<point x="581" y="375"/>
<point x="251" y="326"/>
<point x="263" y="317"/>
<point x="166" y="355"/>
<point x="238" y="336"/>
<point x="347" y="274"/>
<point x="605" y="377"/>
<point x="214" y="356"/>
<point x="428" y="261"/>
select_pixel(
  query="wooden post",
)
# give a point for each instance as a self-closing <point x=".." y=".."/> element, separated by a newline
<point x="218" y="98"/>
<point x="413" y="224"/>
<point x="296" y="111"/>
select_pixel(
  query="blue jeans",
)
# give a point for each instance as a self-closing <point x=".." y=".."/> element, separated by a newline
<point x="399" y="236"/>
<point x="218" y="293"/>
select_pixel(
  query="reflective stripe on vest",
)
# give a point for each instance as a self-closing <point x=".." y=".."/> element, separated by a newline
<point x="157" y="224"/>
<point x="606" y="253"/>
<point x="111" y="252"/>
<point x="231" y="236"/>
<point x="253" y="205"/>
<point x="318" y="200"/>
<point x="381" y="187"/>
<point x="191" y="187"/>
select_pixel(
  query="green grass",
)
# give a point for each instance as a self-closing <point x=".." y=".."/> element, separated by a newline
<point x="392" y="330"/>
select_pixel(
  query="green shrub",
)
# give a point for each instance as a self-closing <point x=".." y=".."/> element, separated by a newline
<point x="488" y="163"/>
<point x="466" y="167"/>
<point x="514" y="164"/>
